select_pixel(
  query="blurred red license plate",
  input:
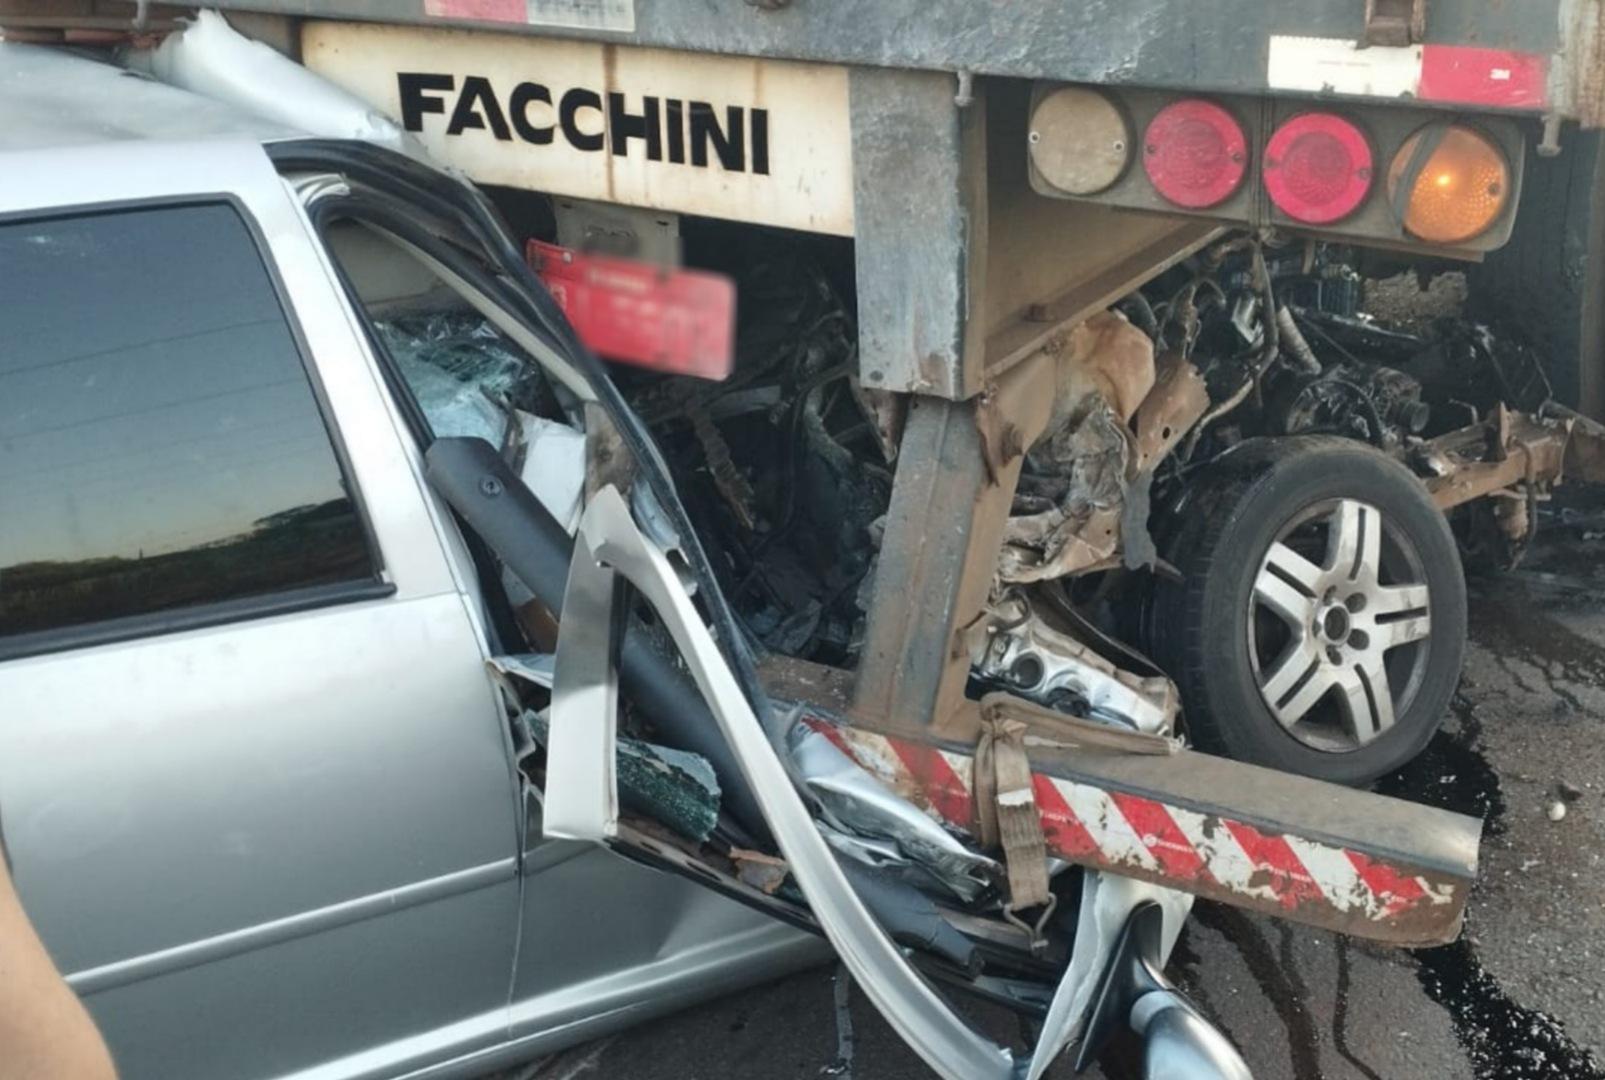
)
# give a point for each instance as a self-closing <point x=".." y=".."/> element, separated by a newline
<point x="679" y="322"/>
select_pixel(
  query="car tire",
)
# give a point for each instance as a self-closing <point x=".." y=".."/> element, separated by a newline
<point x="1315" y="573"/>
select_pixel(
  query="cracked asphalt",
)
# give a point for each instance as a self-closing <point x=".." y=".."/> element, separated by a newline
<point x="1520" y="997"/>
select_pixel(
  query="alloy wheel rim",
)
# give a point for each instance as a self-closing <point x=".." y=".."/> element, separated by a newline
<point x="1338" y="625"/>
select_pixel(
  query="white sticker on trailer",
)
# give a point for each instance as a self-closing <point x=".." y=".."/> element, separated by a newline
<point x="1337" y="66"/>
<point x="762" y="141"/>
<point x="585" y="14"/>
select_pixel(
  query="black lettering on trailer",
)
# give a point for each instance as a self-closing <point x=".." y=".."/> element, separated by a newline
<point x="728" y="142"/>
<point x="759" y="119"/>
<point x="622" y="126"/>
<point x="674" y="123"/>
<point x="476" y="96"/>
<point x="411" y="86"/>
<point x="665" y="126"/>
<point x="524" y="95"/>
<point x="568" y="115"/>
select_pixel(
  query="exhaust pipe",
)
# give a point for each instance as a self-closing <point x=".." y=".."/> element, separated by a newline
<point x="1178" y="1043"/>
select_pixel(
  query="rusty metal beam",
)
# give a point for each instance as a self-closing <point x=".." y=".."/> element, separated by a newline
<point x="1193" y="47"/>
<point x="1042" y="323"/>
<point x="918" y="245"/>
<point x="1508" y="450"/>
<point x="959" y="464"/>
<point x="1306" y="851"/>
<point x="86" y="21"/>
<point x="1585" y="450"/>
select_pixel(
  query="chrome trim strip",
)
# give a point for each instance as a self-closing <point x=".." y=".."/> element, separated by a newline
<point x="302" y="924"/>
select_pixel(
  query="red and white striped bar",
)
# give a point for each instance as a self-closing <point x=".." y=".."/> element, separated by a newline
<point x="1352" y="886"/>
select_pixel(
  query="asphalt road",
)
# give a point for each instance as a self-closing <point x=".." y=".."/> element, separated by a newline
<point x="1520" y="997"/>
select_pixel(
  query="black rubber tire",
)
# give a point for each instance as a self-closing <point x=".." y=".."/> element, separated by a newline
<point x="1198" y="626"/>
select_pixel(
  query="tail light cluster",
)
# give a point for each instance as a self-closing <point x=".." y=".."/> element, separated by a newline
<point x="1387" y="173"/>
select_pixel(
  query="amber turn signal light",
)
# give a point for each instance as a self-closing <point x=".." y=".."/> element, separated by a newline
<point x="1448" y="183"/>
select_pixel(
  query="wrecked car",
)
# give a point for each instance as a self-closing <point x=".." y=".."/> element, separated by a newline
<point x="469" y="617"/>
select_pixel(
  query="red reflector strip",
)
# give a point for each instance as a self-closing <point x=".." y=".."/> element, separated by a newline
<point x="677" y="322"/>
<point x="1272" y="858"/>
<point x="513" y="11"/>
<point x="1493" y="77"/>
<point x="1396" y="890"/>
<point x="1162" y="835"/>
<point x="1061" y="828"/>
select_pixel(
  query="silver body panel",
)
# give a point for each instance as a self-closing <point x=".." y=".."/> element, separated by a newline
<point x="290" y="846"/>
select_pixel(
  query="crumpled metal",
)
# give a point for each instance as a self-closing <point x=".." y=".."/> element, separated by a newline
<point x="1013" y="629"/>
<point x="214" y="60"/>
<point x="1094" y="456"/>
<point x="875" y="825"/>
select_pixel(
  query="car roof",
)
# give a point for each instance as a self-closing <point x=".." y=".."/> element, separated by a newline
<point x="54" y="98"/>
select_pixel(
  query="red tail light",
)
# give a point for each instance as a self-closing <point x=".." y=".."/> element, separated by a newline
<point x="1318" y="168"/>
<point x="1195" y="154"/>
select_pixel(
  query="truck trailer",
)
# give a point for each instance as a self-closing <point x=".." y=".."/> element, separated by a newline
<point x="1028" y="453"/>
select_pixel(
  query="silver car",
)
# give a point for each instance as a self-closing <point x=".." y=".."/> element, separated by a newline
<point x="259" y="787"/>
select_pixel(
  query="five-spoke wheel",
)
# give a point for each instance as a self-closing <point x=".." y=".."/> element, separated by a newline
<point x="1320" y="623"/>
<point x="1325" y="667"/>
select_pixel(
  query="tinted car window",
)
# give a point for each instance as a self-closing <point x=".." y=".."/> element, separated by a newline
<point x="160" y="444"/>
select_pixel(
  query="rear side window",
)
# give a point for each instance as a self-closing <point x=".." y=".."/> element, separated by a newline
<point x="161" y="449"/>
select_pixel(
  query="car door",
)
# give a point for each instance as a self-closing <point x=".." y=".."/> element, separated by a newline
<point x="603" y="940"/>
<point x="256" y="784"/>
